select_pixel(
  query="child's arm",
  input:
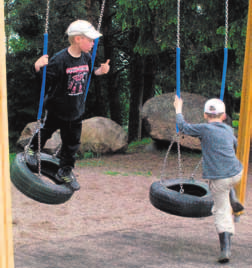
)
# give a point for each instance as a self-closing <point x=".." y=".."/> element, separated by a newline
<point x="41" y="62"/>
<point x="193" y="130"/>
<point x="103" y="69"/>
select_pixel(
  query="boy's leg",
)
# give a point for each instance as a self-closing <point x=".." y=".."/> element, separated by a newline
<point x="235" y="203"/>
<point x="222" y="211"/>
<point x="70" y="135"/>
<point x="222" y="216"/>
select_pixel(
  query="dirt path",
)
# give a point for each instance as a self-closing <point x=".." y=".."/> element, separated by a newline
<point x="114" y="199"/>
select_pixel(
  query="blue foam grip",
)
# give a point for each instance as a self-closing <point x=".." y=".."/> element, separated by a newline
<point x="224" y="73"/>
<point x="177" y="76"/>
<point x="42" y="92"/>
<point x="96" y="41"/>
<point x="178" y="71"/>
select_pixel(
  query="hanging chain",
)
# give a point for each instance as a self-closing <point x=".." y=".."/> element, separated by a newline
<point x="226" y="24"/>
<point x="165" y="160"/>
<point x="179" y="163"/>
<point x="178" y="24"/>
<point x="39" y="121"/>
<point x="196" y="169"/>
<point x="47" y="16"/>
<point x="179" y="156"/>
<point x="101" y="15"/>
<point x="177" y="139"/>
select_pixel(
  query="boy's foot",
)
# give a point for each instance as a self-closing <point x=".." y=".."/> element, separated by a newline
<point x="65" y="175"/>
<point x="31" y="158"/>
<point x="237" y="207"/>
<point x="235" y="203"/>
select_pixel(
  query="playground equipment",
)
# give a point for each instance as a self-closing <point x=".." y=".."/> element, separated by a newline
<point x="29" y="180"/>
<point x="6" y="241"/>
<point x="6" y="244"/>
<point x="180" y="196"/>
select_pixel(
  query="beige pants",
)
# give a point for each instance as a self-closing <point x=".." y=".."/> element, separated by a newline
<point x="222" y="210"/>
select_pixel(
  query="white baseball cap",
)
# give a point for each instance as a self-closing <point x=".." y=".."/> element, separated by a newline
<point x="215" y="106"/>
<point x="82" y="27"/>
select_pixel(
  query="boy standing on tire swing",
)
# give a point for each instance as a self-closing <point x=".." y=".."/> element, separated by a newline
<point x="220" y="166"/>
<point x="66" y="79"/>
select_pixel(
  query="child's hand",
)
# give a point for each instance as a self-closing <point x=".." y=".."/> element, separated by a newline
<point x="104" y="69"/>
<point x="178" y="104"/>
<point x="41" y="62"/>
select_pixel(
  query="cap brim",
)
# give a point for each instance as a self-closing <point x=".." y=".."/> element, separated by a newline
<point x="89" y="34"/>
<point x="93" y="34"/>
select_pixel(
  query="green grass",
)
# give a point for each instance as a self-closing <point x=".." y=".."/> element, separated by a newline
<point x="12" y="157"/>
<point x="90" y="163"/>
<point x="133" y="146"/>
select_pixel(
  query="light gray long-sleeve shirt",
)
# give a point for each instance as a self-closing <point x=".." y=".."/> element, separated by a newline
<point x="218" y="145"/>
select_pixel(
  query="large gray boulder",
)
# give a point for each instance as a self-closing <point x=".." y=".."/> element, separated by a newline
<point x="159" y="117"/>
<point x="102" y="135"/>
<point x="51" y="145"/>
<point x="99" y="135"/>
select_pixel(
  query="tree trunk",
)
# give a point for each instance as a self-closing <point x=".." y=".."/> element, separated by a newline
<point x="149" y="87"/>
<point x="113" y="90"/>
<point x="136" y="80"/>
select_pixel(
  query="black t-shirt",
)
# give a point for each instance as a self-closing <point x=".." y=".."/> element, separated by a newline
<point x="66" y="80"/>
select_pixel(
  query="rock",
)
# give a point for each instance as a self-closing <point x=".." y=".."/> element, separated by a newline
<point x="159" y="117"/>
<point x="102" y="135"/>
<point x="51" y="145"/>
<point x="99" y="135"/>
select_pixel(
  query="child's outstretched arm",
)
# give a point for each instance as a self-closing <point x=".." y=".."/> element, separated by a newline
<point x="103" y="69"/>
<point x="41" y="62"/>
<point x="178" y="104"/>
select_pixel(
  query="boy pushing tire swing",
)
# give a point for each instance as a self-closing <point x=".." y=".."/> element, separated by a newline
<point x="220" y="164"/>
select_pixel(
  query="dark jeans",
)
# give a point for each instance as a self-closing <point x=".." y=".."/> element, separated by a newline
<point x="70" y="132"/>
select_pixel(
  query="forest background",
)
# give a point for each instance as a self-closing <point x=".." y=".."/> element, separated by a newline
<point x="140" y="38"/>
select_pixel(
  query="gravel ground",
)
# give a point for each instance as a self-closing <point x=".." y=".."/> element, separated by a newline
<point x="110" y="222"/>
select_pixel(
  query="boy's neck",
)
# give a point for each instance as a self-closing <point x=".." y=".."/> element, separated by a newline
<point x="215" y="120"/>
<point x="74" y="51"/>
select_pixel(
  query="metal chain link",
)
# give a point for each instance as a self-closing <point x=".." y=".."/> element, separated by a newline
<point x="226" y="24"/>
<point x="38" y="155"/>
<point x="47" y="16"/>
<point x="39" y="121"/>
<point x="101" y="15"/>
<point x="176" y="138"/>
<point x="179" y="156"/>
<point x="165" y="159"/>
<point x="178" y="23"/>
<point x="196" y="169"/>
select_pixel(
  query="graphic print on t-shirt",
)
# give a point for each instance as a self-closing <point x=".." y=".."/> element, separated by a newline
<point x="77" y="78"/>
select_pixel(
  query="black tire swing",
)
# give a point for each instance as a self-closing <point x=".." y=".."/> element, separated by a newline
<point x="180" y="196"/>
<point x="44" y="190"/>
<point x="25" y="179"/>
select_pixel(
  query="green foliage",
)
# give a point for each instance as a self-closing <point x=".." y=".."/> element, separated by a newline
<point x="137" y="29"/>
<point x="11" y="157"/>
<point x="135" y="145"/>
<point x="235" y="121"/>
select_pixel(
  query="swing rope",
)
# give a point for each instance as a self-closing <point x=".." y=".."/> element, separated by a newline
<point x="224" y="73"/>
<point x="95" y="49"/>
<point x="42" y="93"/>
<point x="178" y="52"/>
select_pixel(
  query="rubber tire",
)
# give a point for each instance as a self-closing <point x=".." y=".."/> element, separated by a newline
<point x="195" y="202"/>
<point x="31" y="185"/>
